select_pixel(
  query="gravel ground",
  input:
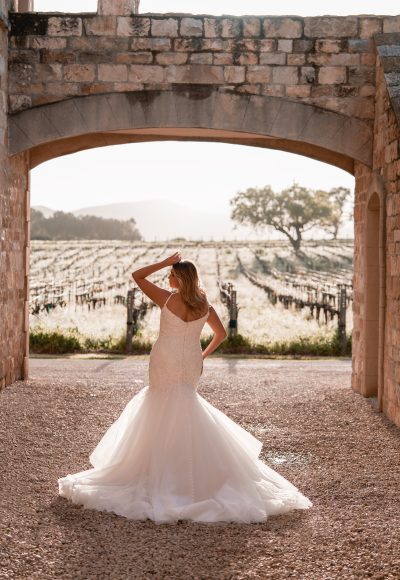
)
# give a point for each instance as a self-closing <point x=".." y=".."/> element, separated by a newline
<point x="329" y="441"/>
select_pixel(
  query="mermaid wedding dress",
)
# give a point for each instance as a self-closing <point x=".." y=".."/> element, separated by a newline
<point x="171" y="455"/>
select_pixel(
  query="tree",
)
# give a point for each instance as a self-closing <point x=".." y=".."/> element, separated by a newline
<point x="291" y="212"/>
<point x="338" y="197"/>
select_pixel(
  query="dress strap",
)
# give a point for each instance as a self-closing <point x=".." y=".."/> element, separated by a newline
<point x="168" y="298"/>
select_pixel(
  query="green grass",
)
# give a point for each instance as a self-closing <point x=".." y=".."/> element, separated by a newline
<point x="71" y="341"/>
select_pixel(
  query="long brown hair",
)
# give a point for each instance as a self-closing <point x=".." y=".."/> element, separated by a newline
<point x="192" y="293"/>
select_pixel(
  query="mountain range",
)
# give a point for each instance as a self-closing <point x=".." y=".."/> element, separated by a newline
<point x="160" y="219"/>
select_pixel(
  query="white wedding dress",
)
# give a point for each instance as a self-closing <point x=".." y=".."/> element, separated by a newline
<point x="171" y="455"/>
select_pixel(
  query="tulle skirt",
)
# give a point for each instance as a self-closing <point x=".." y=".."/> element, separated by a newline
<point x="170" y="456"/>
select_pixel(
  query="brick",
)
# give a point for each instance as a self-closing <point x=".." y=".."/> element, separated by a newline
<point x="267" y="45"/>
<point x="164" y="27"/>
<point x="123" y="7"/>
<point x="112" y="72"/>
<point x="328" y="45"/>
<point x="212" y="28"/>
<point x="331" y="75"/>
<point x="79" y="72"/>
<point x="330" y="26"/>
<point x="191" y="27"/>
<point x="298" y="91"/>
<point x="134" y="58"/>
<point x="391" y="24"/>
<point x="195" y="73"/>
<point x="230" y="28"/>
<point x="222" y="58"/>
<point x="285" y="75"/>
<point x="234" y="74"/>
<point x="251" y="27"/>
<point x="360" y="45"/>
<point x="285" y="45"/>
<point x="282" y="28"/>
<point x="258" y="74"/>
<point x="151" y="44"/>
<point x="100" y="26"/>
<point x="146" y="74"/>
<point x="248" y="58"/>
<point x="370" y="26"/>
<point x="202" y="58"/>
<point x="64" y="26"/>
<point x="167" y="58"/>
<point x="296" y="59"/>
<point x="133" y="26"/>
<point x="273" y="58"/>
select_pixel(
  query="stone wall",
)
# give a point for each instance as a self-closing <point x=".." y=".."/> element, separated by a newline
<point x="325" y="61"/>
<point x="14" y="202"/>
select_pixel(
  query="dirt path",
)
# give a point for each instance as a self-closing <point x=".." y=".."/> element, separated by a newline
<point x="330" y="442"/>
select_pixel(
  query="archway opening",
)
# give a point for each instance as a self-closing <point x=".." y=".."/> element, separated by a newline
<point x="372" y="296"/>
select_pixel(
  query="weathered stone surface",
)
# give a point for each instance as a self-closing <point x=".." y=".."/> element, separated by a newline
<point x="251" y="27"/>
<point x="79" y="72"/>
<point x="65" y="26"/>
<point x="133" y="26"/>
<point x="325" y="67"/>
<point x="330" y="26"/>
<point x="331" y="75"/>
<point x="282" y="27"/>
<point x="112" y="72"/>
<point x="191" y="27"/>
<point x="115" y="7"/>
<point x="100" y="26"/>
<point x="164" y="27"/>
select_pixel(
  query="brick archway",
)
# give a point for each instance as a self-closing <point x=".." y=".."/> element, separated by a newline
<point x="197" y="113"/>
<point x="325" y="87"/>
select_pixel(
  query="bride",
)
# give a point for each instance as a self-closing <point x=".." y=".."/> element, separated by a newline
<point x="171" y="455"/>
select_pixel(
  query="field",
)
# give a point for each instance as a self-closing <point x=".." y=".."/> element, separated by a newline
<point x="83" y="285"/>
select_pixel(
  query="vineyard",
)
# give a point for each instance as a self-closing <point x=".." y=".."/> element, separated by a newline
<point x="262" y="290"/>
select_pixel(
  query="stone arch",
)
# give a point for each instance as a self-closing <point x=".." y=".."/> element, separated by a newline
<point x="375" y="290"/>
<point x="195" y="113"/>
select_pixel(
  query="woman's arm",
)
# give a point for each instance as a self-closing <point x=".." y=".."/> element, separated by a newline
<point x="219" y="333"/>
<point x="154" y="292"/>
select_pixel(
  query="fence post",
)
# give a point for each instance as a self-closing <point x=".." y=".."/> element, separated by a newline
<point x="129" y="322"/>
<point x="233" y="327"/>
<point x="342" y="320"/>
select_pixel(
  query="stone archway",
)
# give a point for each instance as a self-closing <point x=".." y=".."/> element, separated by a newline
<point x="196" y="113"/>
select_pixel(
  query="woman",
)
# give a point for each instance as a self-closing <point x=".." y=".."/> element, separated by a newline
<point x="171" y="455"/>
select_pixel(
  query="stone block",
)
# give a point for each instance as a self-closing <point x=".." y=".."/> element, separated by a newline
<point x="134" y="58"/>
<point x="247" y="58"/>
<point x="222" y="58"/>
<point x="234" y="74"/>
<point x="370" y="26"/>
<point x="64" y="26"/>
<point x="202" y="58"/>
<point x="157" y="44"/>
<point x="117" y="7"/>
<point x="112" y="72"/>
<point x="360" y="45"/>
<point x="192" y="44"/>
<point x="285" y="45"/>
<point x="258" y="74"/>
<point x="267" y="45"/>
<point x="164" y="27"/>
<point x="328" y="45"/>
<point x="166" y="58"/>
<point x="331" y="75"/>
<point x="191" y="27"/>
<point x="277" y="27"/>
<point x="146" y="74"/>
<point x="195" y="73"/>
<point x="330" y="26"/>
<point x="298" y="91"/>
<point x="302" y="45"/>
<point x="251" y="27"/>
<point x="230" y="27"/>
<point x="133" y="26"/>
<point x="296" y="59"/>
<point x="100" y="26"/>
<point x="273" y="58"/>
<point x="45" y="42"/>
<point x="391" y="24"/>
<point x="285" y="75"/>
<point x="361" y="75"/>
<point x="212" y="27"/>
<point x="79" y="72"/>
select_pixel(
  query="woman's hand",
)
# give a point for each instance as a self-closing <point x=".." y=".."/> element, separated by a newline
<point x="173" y="259"/>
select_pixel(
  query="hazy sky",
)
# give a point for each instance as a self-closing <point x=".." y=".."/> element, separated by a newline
<point x="201" y="175"/>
